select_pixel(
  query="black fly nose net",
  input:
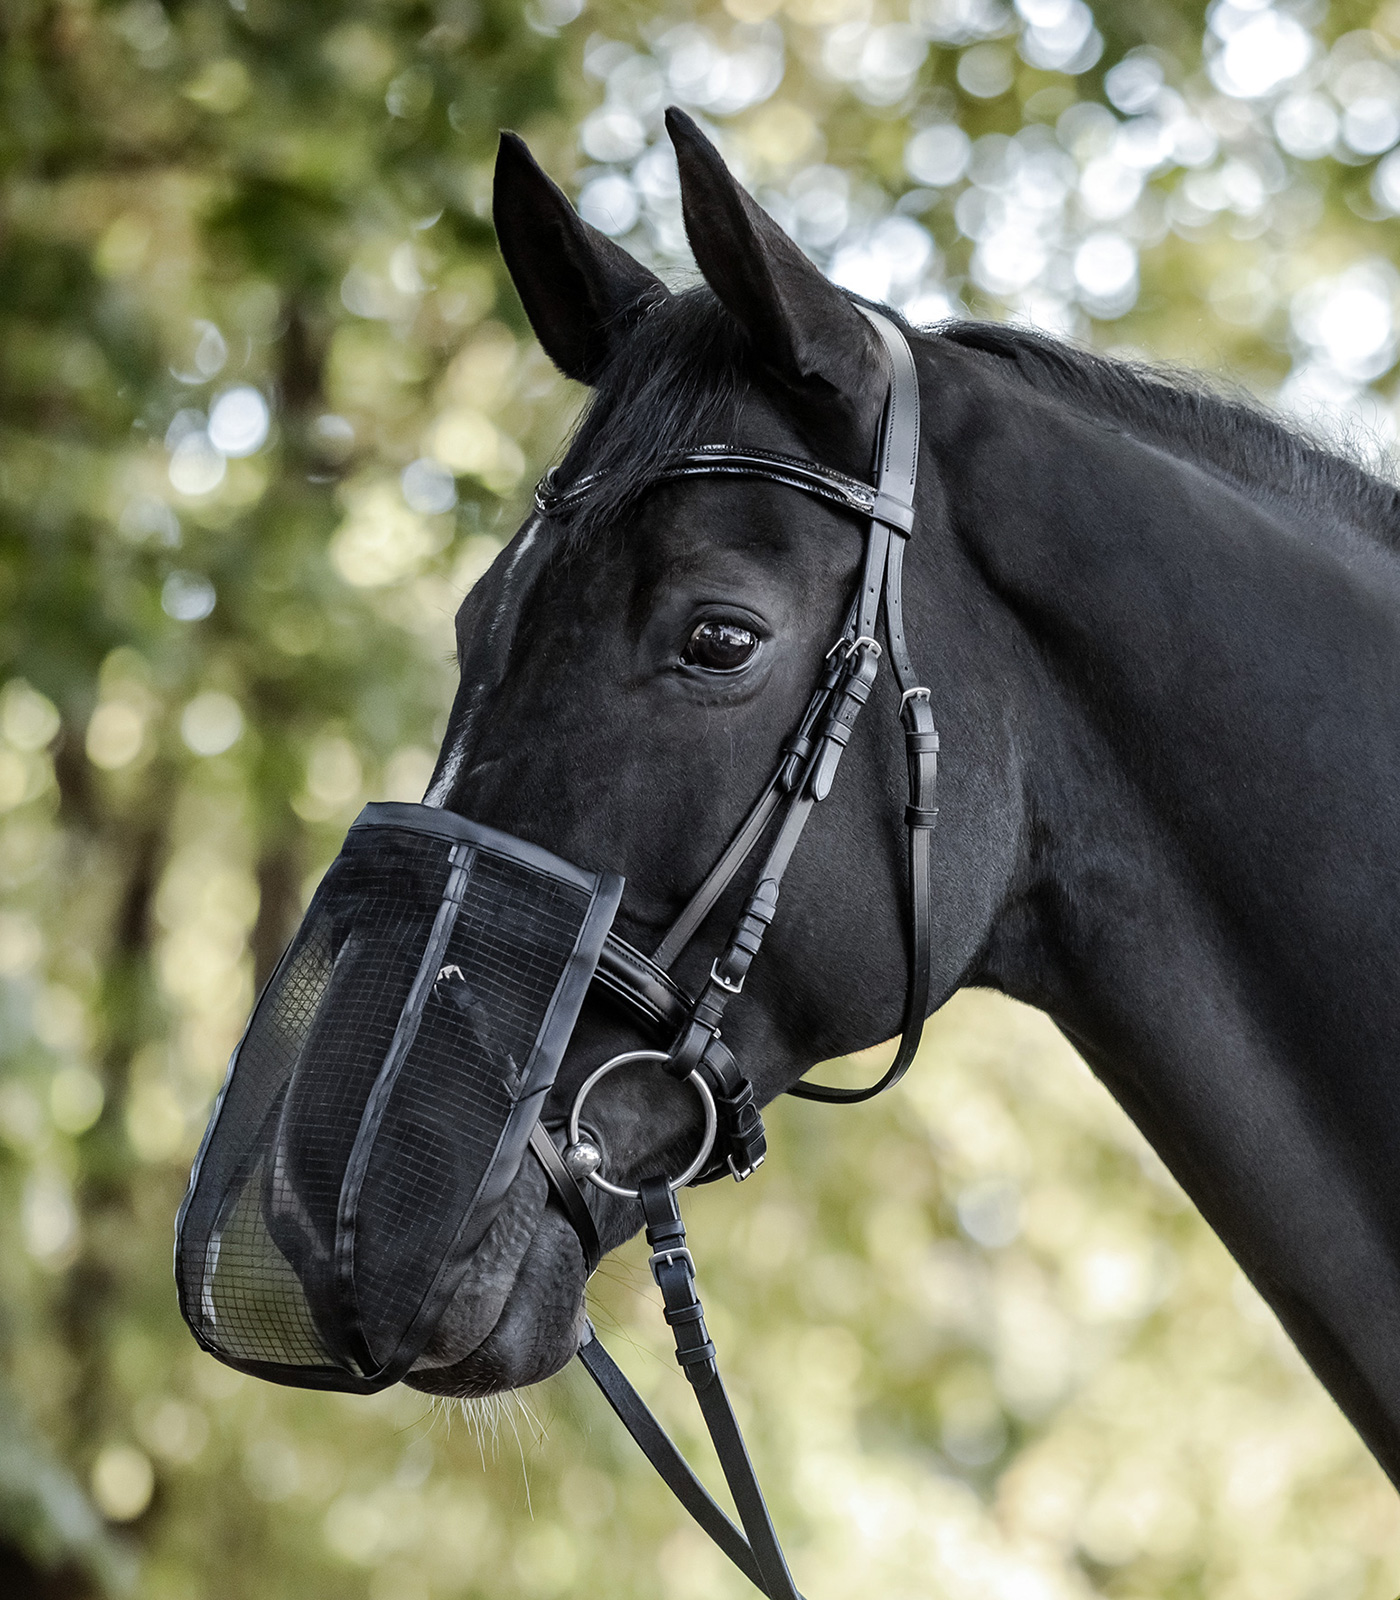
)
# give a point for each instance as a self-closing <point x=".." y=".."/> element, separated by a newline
<point x="380" y="1101"/>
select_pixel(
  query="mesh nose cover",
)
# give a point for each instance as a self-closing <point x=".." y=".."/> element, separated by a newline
<point x="380" y="1101"/>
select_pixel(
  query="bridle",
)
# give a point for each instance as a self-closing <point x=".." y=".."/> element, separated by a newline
<point x="398" y="1062"/>
<point x="689" y="1027"/>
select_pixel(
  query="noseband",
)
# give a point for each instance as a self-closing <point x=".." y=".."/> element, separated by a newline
<point x="689" y="1026"/>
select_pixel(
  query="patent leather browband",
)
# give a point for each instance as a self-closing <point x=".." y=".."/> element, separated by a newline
<point x="719" y="460"/>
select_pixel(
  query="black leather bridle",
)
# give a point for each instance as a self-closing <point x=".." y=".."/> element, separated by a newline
<point x="688" y="1027"/>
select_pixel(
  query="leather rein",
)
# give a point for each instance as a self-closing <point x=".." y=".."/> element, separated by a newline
<point x="688" y="1027"/>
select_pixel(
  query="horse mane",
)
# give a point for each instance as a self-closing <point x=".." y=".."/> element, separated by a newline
<point x="678" y="379"/>
<point x="1225" y="433"/>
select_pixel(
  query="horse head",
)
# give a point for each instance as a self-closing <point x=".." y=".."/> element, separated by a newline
<point x="630" y="673"/>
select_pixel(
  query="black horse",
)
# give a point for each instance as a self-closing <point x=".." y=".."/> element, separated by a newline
<point x="1163" y="640"/>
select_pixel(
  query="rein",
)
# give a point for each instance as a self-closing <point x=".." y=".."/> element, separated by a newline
<point x="689" y="1027"/>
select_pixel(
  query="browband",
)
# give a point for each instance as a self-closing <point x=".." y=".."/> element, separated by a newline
<point x="712" y="460"/>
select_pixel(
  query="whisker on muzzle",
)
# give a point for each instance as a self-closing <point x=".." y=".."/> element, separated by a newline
<point x="483" y="1415"/>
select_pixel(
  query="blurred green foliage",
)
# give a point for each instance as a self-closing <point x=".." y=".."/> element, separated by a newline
<point x="267" y="408"/>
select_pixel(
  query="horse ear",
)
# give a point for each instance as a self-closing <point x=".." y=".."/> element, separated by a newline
<point x="580" y="290"/>
<point x="801" y="326"/>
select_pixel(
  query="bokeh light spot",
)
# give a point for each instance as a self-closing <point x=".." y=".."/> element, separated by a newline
<point x="187" y="596"/>
<point x="428" y="486"/>
<point x="1262" y="50"/>
<point x="238" y="421"/>
<point x="76" y="1098"/>
<point x="211" y="723"/>
<point x="123" y="1482"/>
<point x="115" y="733"/>
<point x="938" y="155"/>
<point x="28" y="720"/>
<point x="610" y="203"/>
<point x="197" y="465"/>
<point x="985" y="71"/>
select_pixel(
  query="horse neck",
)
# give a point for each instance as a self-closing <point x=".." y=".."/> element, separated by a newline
<point x="1208" y="898"/>
<point x="1223" y="753"/>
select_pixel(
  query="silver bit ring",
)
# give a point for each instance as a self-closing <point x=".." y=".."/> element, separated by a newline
<point x="696" y="1081"/>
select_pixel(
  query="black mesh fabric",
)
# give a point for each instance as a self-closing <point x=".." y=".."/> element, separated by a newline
<point x="379" y="1102"/>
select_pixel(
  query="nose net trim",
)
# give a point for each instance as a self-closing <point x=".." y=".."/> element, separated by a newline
<point x="379" y="1104"/>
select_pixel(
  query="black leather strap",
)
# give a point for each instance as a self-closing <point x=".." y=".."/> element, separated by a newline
<point x="675" y="1276"/>
<point x="642" y="986"/>
<point x="720" y="460"/>
<point x="899" y="449"/>
<point x="722" y="874"/>
<point x="899" y="439"/>
<point x="671" y="1466"/>
<point x="569" y="1195"/>
<point x="674" y="1272"/>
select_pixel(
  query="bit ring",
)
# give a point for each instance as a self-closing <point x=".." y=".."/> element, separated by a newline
<point x="707" y="1100"/>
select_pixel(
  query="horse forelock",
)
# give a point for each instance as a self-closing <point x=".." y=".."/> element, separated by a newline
<point x="677" y="381"/>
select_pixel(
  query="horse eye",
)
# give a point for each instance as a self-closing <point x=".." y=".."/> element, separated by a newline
<point x="720" y="646"/>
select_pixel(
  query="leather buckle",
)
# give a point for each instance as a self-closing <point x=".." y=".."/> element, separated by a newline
<point x="725" y="983"/>
<point x="666" y="1257"/>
